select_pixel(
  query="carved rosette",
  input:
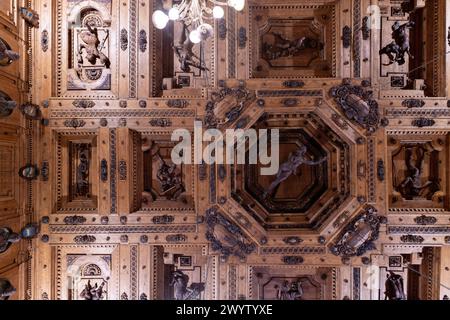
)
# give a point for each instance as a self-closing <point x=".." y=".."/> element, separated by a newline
<point x="84" y="239"/>
<point x="425" y="220"/>
<point x="74" y="220"/>
<point x="358" y="105"/>
<point x="359" y="235"/>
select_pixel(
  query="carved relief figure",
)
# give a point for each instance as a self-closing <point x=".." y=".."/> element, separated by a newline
<point x="394" y="287"/>
<point x="7" y="56"/>
<point x="412" y="186"/>
<point x="290" y="167"/>
<point x="396" y="49"/>
<point x="169" y="179"/>
<point x="6" y="289"/>
<point x="181" y="290"/>
<point x="93" y="47"/>
<point x="93" y="292"/>
<point x="290" y="291"/>
<point x="7" y="238"/>
<point x="82" y="182"/>
<point x="184" y="52"/>
<point x="283" y="47"/>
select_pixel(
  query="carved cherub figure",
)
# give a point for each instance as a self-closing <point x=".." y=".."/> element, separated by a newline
<point x="289" y="168"/>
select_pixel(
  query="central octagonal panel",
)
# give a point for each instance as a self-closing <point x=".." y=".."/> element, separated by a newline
<point x="311" y="189"/>
<point x="299" y="191"/>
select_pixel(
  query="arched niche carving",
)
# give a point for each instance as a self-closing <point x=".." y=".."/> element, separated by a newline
<point x="89" y="37"/>
<point x="87" y="269"/>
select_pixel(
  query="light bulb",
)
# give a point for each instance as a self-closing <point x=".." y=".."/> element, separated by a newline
<point x="174" y="13"/>
<point x="232" y="3"/>
<point x="239" y="5"/>
<point x="195" y="37"/>
<point x="218" y="12"/>
<point x="160" y="19"/>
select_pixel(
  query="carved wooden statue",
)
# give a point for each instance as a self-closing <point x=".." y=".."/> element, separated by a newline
<point x="82" y="184"/>
<point x="169" y="179"/>
<point x="394" y="287"/>
<point x="93" y="292"/>
<point x="184" y="52"/>
<point x="182" y="292"/>
<point x="396" y="49"/>
<point x="289" y="168"/>
<point x="283" y="47"/>
<point x="290" y="291"/>
<point x="412" y="186"/>
<point x="93" y="47"/>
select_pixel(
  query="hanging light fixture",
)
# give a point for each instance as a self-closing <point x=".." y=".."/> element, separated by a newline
<point x="196" y="14"/>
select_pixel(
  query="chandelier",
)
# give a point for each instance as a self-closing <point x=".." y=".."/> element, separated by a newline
<point x="196" y="14"/>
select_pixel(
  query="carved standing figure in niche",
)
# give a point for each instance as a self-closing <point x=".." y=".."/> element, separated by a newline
<point x="7" y="54"/>
<point x="93" y="292"/>
<point x="184" y="52"/>
<point x="7" y="238"/>
<point x="93" y="47"/>
<point x="412" y="185"/>
<point x="290" y="167"/>
<point x="292" y="291"/>
<point x="283" y="47"/>
<point x="82" y="184"/>
<point x="397" y="49"/>
<point x="6" y="289"/>
<point x="180" y="282"/>
<point x="394" y="287"/>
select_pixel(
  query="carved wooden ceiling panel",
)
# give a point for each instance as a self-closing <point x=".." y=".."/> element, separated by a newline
<point x="92" y="92"/>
